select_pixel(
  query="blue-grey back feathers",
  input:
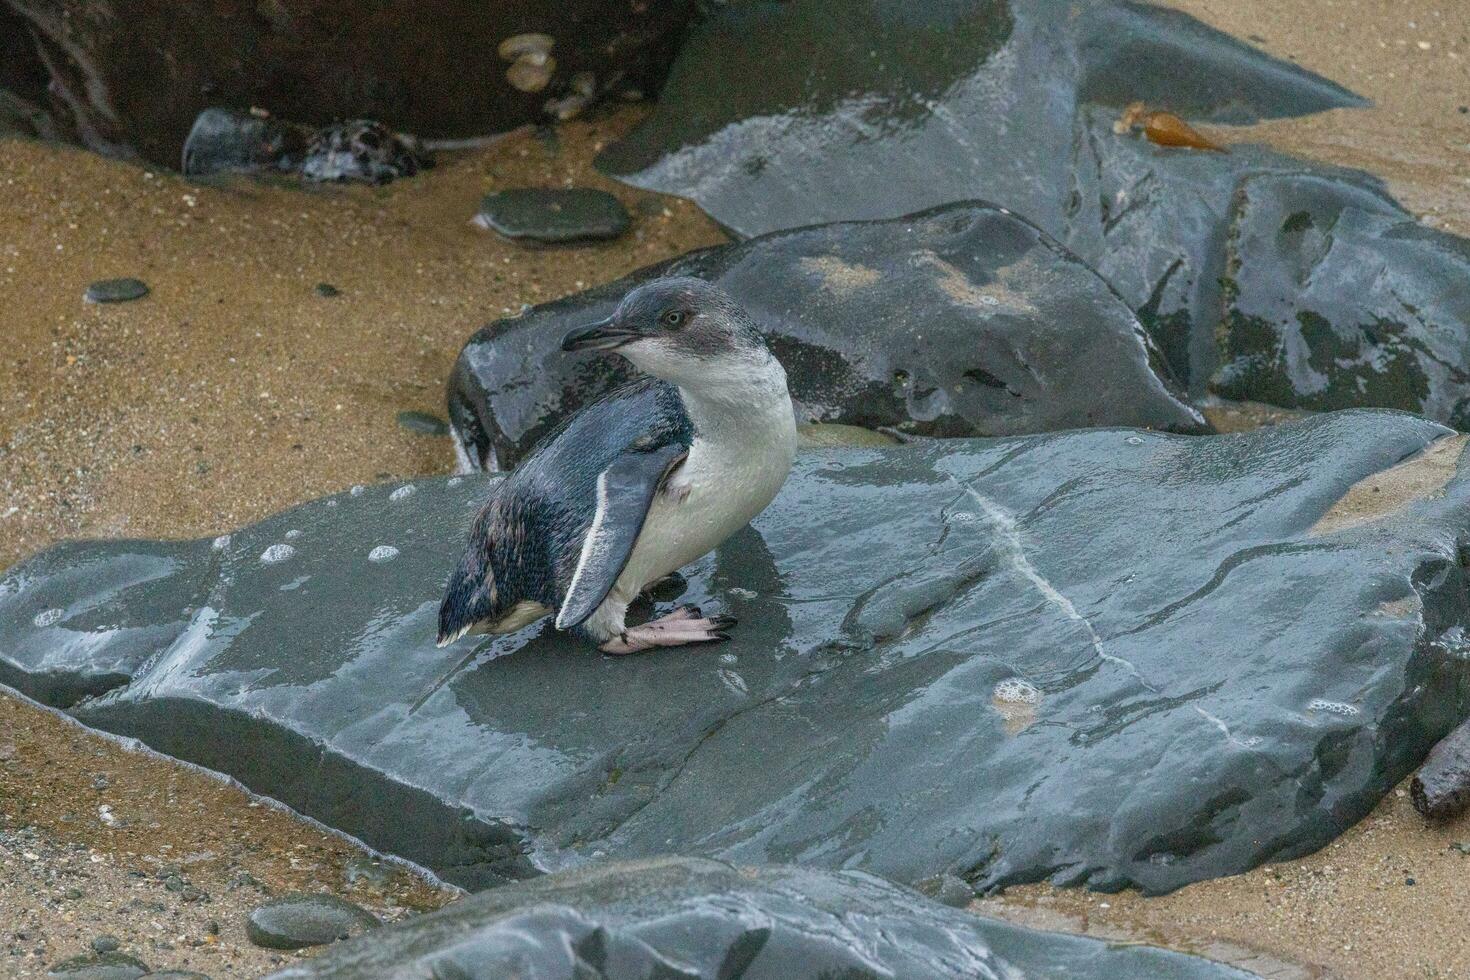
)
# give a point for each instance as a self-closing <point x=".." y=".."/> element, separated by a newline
<point x="527" y="541"/>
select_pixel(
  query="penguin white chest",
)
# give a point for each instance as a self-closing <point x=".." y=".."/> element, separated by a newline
<point x="721" y="485"/>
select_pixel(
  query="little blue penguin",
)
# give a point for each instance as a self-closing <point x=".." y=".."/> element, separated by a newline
<point x="637" y="484"/>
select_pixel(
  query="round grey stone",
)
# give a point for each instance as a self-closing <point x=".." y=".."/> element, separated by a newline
<point x="106" y="944"/>
<point x="327" y="290"/>
<point x="115" y="290"/>
<point x="299" y="920"/>
<point x="553" y="216"/>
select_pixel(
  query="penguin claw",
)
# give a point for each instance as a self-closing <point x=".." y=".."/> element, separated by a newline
<point x="681" y="627"/>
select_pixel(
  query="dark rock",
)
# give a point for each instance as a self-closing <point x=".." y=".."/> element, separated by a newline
<point x="960" y="321"/>
<point x="998" y="659"/>
<point x="553" y="216"/>
<point x="1336" y="297"/>
<point x="297" y="921"/>
<point x="897" y="105"/>
<point x="327" y="291"/>
<point x="362" y="150"/>
<point x="1441" y="787"/>
<point x="702" y="920"/>
<point x="227" y="141"/>
<point x="106" y="944"/>
<point x="115" y="291"/>
<point x="100" y="966"/>
<point x="74" y="893"/>
<point x="423" y="423"/>
<point x="1262" y="277"/>
<point x="427" y="68"/>
<point x="178" y="975"/>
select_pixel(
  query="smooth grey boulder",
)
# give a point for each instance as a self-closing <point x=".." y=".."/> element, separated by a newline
<point x="1104" y="657"/>
<point x="1336" y="297"/>
<point x="899" y="105"/>
<point x="1261" y="276"/>
<point x="964" y="320"/>
<point x="693" y="919"/>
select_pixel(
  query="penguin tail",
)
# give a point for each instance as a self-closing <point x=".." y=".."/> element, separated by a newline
<point x="470" y="598"/>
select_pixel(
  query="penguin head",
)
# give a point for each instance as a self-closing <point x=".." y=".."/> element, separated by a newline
<point x="678" y="329"/>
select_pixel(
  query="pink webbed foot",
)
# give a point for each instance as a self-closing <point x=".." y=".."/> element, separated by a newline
<point x="681" y="627"/>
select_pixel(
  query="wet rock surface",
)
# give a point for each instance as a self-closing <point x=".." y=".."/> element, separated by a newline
<point x="900" y="106"/>
<point x="115" y="291"/>
<point x="964" y="320"/>
<point x="997" y="659"/>
<point x="688" y="918"/>
<point x="426" y="68"/>
<point x="553" y="216"/>
<point x="297" y="921"/>
<point x="1263" y="277"/>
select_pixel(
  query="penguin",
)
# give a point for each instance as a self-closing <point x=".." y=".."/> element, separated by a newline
<point x="637" y="484"/>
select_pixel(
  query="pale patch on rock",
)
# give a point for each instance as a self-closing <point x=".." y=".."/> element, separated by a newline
<point x="839" y="277"/>
<point x="1422" y="476"/>
<point x="999" y="296"/>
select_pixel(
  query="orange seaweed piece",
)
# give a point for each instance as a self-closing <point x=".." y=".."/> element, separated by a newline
<point x="1164" y="128"/>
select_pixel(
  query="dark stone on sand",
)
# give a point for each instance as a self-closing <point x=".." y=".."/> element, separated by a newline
<point x="898" y="105"/>
<point x="106" y="944"/>
<point x="1103" y="657"/>
<point x="228" y="141"/>
<point x="702" y="920"/>
<point x="327" y="291"/>
<point x="100" y="966"/>
<point x="423" y="423"/>
<point x="960" y="321"/>
<point x="298" y="921"/>
<point x="427" y="68"/>
<point x="553" y="216"/>
<point x="178" y="975"/>
<point x="1441" y="787"/>
<point x="115" y="291"/>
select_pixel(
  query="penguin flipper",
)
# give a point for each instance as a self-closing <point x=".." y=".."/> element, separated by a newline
<point x="625" y="491"/>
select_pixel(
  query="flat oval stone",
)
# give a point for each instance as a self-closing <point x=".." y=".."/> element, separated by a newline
<point x="299" y="920"/>
<point x="553" y="216"/>
<point x="115" y="290"/>
<point x="100" y="966"/>
<point x="423" y="423"/>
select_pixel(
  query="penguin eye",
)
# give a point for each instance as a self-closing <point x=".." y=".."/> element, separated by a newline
<point x="673" y="319"/>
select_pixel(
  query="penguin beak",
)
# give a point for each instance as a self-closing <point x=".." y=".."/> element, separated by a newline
<point x="602" y="335"/>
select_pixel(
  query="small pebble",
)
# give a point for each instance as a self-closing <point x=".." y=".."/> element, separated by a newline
<point x="327" y="290"/>
<point x="100" y="966"/>
<point x="423" y="423"/>
<point x="115" y="291"/>
<point x="301" y="920"/>
<point x="553" y="216"/>
<point x="106" y="944"/>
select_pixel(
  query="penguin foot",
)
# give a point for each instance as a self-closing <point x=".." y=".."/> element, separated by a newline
<point x="681" y="627"/>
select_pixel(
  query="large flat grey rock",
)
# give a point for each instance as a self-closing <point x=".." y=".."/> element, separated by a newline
<point x="691" y="919"/>
<point x="1106" y="657"/>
